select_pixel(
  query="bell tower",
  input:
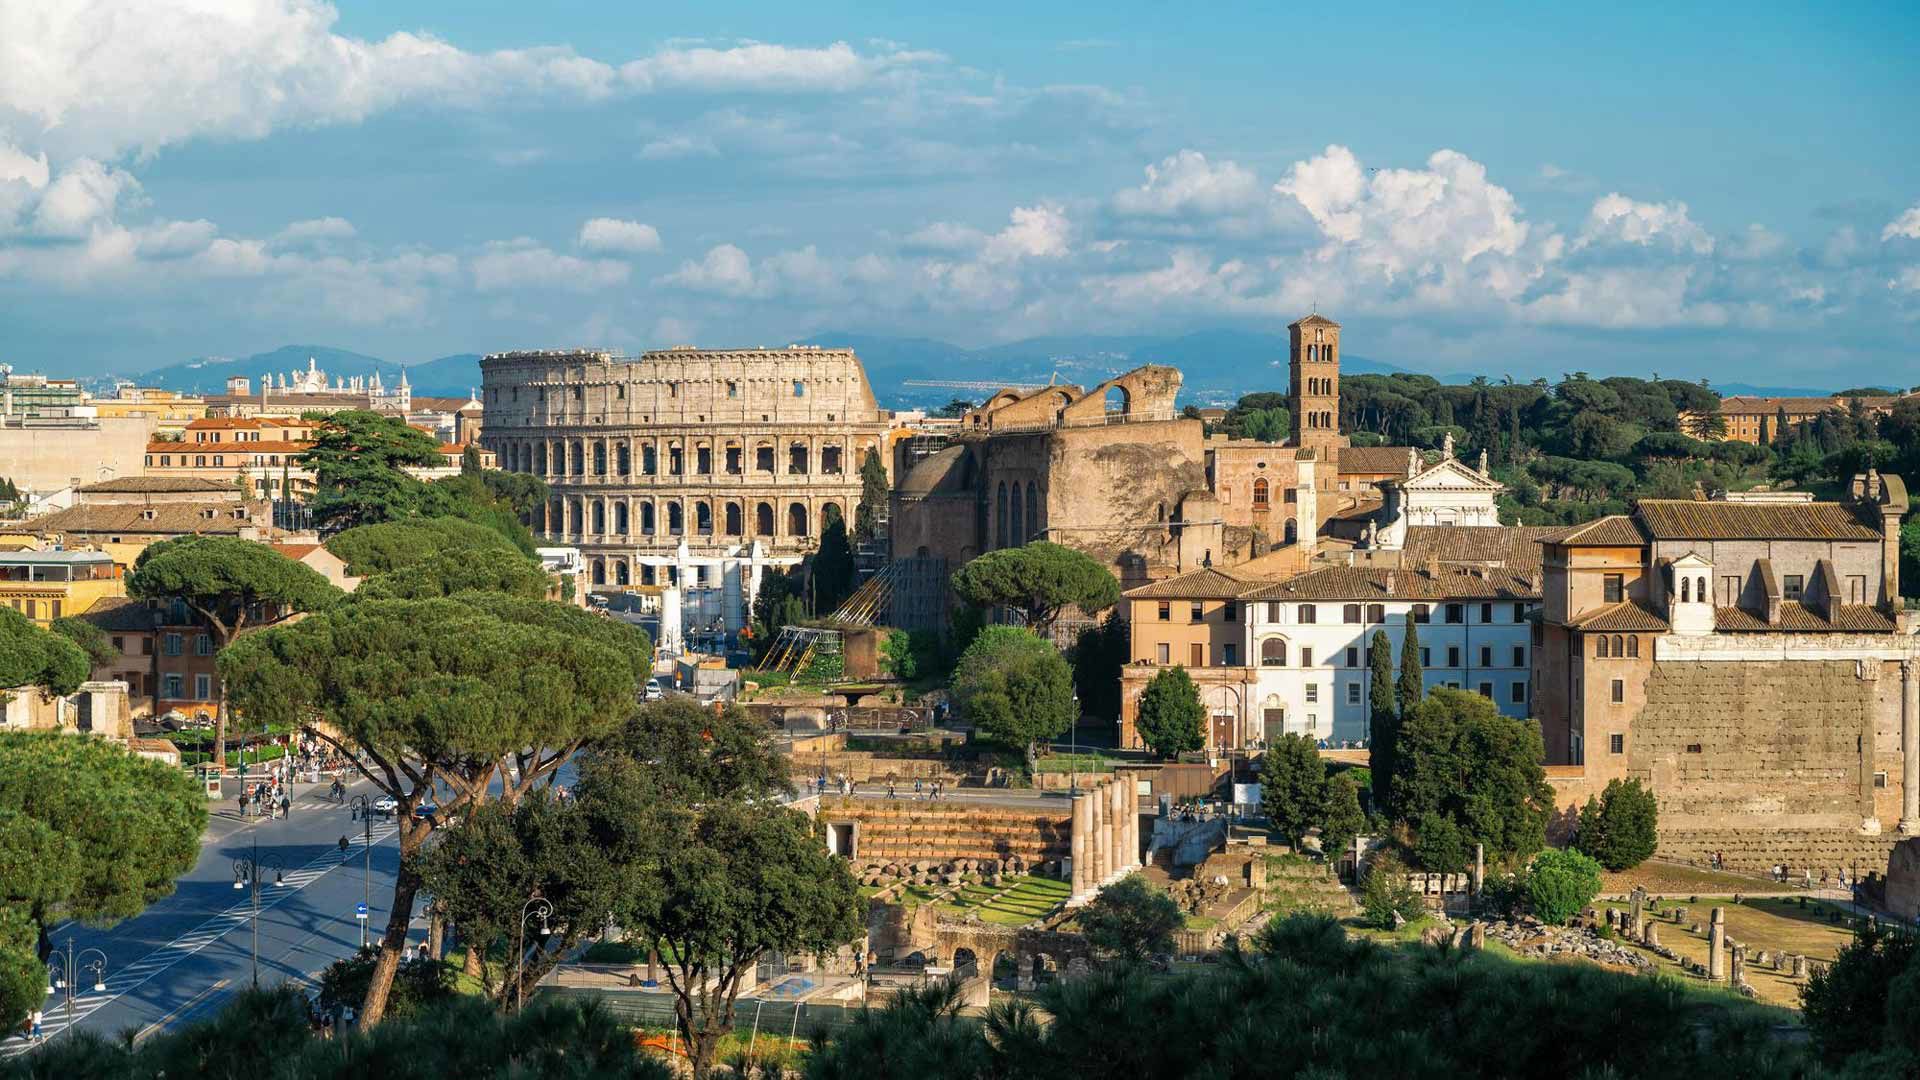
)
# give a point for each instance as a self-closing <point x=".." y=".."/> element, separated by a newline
<point x="1314" y="394"/>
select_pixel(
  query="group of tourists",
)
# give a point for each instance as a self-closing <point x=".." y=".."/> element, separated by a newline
<point x="267" y="798"/>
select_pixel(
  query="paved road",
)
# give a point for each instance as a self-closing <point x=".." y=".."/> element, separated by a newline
<point x="186" y="955"/>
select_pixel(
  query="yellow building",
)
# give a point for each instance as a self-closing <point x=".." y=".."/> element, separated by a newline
<point x="47" y="585"/>
<point x="171" y="410"/>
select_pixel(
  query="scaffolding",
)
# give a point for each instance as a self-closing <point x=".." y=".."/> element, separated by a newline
<point x="796" y="647"/>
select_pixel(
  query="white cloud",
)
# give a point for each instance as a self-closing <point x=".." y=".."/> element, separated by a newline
<point x="1186" y="183"/>
<point x="674" y="147"/>
<point x="620" y="237"/>
<point x="84" y="195"/>
<point x="762" y="67"/>
<point x="16" y="165"/>
<point x="946" y="236"/>
<point x="176" y="239"/>
<point x="725" y="270"/>
<point x="1618" y="219"/>
<point x="317" y="230"/>
<point x="523" y="264"/>
<point x="1907" y="225"/>
<point x="1035" y="232"/>
<point x="1907" y="280"/>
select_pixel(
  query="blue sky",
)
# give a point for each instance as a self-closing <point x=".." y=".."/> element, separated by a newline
<point x="1723" y="192"/>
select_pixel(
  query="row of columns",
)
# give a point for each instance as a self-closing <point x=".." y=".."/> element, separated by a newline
<point x="757" y="518"/>
<point x="556" y="459"/>
<point x="1910" y="747"/>
<point x="1106" y="835"/>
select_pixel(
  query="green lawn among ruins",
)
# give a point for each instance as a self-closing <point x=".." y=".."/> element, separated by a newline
<point x="1018" y="901"/>
<point x="1770" y="924"/>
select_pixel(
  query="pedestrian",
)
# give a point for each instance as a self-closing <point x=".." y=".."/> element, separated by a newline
<point x="286" y="806"/>
<point x="916" y="788"/>
<point x="243" y="804"/>
<point x="890" y="791"/>
<point x="36" y="1034"/>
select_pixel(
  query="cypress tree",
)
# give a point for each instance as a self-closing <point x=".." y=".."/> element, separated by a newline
<point x="1386" y="724"/>
<point x="1412" y="688"/>
<point x="873" y="497"/>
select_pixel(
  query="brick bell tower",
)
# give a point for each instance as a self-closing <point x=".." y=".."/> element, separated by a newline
<point x="1314" y="395"/>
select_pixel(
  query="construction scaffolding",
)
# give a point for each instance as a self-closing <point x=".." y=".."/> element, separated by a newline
<point x="796" y="647"/>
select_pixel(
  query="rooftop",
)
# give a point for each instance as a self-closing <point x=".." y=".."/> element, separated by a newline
<point x="130" y="485"/>
<point x="1205" y="583"/>
<point x="54" y="558"/>
<point x="1686" y="519"/>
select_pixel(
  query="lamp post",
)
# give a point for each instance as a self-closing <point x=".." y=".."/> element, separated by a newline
<point x="246" y="875"/>
<point x="363" y="813"/>
<point x="534" y="906"/>
<point x="64" y="969"/>
<point x="1073" y="769"/>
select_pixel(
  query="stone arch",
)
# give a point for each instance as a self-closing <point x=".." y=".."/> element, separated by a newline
<point x="703" y="517"/>
<point x="599" y="458"/>
<point x="1117" y="401"/>
<point x="599" y="517"/>
<point x="1017" y="531"/>
<point x="623" y="457"/>
<point x="763" y="519"/>
<point x="620" y="517"/>
<point x="599" y="571"/>
<point x="620" y="572"/>
<point x="646" y="517"/>
<point x="965" y="963"/>
<point x="734" y="519"/>
<point x="797" y="519"/>
<point x="1033" y="509"/>
<point x="1000" y="515"/>
<point x="676" y="518"/>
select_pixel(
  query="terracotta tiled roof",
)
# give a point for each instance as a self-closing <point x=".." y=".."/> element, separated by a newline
<point x="1450" y="582"/>
<point x="295" y="551"/>
<point x="1687" y="519"/>
<point x="1798" y="618"/>
<point x="169" y="519"/>
<point x="1369" y="460"/>
<point x="431" y="403"/>
<point x="120" y="614"/>
<point x="1203" y="584"/>
<point x="1616" y="530"/>
<point x="262" y="447"/>
<point x="138" y="484"/>
<point x="1359" y="511"/>
<point x="1624" y="617"/>
<point x="1315" y="319"/>
<point x="1516" y="547"/>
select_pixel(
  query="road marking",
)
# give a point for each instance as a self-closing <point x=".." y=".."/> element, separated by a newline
<point x="185" y="1007"/>
<point x="141" y="971"/>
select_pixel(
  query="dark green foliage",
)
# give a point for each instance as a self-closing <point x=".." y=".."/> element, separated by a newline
<point x="1341" y="818"/>
<point x="1560" y="883"/>
<point x="1293" y="783"/>
<point x="269" y="1033"/>
<point x="1411" y="687"/>
<point x="692" y="754"/>
<point x="874" y="492"/>
<point x="1170" y="718"/>
<point x="1262" y="416"/>
<point x="1385" y="894"/>
<point x="418" y="985"/>
<point x="911" y="655"/>
<point x="395" y="545"/>
<point x="1464" y="767"/>
<point x="32" y="657"/>
<point x="444" y="573"/>
<point x="781" y="602"/>
<point x="832" y="568"/>
<point x="1099" y="652"/>
<point x="919" y="1034"/>
<point x="1014" y="687"/>
<point x="1384" y="718"/>
<point x="1038" y="580"/>
<point x="23" y="978"/>
<point x="92" y="640"/>
<point x="1130" y="920"/>
<point x="358" y="460"/>
<point x="1862" y="1006"/>
<point x="1620" y="827"/>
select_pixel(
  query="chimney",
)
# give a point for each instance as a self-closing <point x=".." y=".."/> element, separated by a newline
<point x="1391" y="582"/>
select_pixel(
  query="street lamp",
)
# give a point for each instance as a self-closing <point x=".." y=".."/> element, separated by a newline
<point x="246" y="874"/>
<point x="1073" y="768"/>
<point x="363" y="812"/>
<point x="534" y="906"/>
<point x="63" y="973"/>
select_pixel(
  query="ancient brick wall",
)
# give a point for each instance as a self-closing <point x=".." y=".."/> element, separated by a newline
<point x="1764" y="744"/>
<point x="909" y="831"/>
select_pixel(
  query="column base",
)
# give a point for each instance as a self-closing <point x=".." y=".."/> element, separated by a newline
<point x="1908" y="827"/>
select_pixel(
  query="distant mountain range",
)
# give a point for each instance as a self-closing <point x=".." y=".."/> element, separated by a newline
<point x="1218" y="366"/>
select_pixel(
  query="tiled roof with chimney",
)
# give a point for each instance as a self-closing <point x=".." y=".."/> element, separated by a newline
<point x="1616" y="530"/>
<point x="136" y="485"/>
<point x="159" y="519"/>
<point x="1373" y="460"/>
<point x="1368" y="583"/>
<point x="1688" y="519"/>
<point x="1205" y="583"/>
<point x="1796" y="617"/>
<point x="1626" y="617"/>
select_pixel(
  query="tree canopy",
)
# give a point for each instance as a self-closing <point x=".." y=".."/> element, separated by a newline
<point x="874" y="493"/>
<point x="1293" y="783"/>
<point x="30" y="656"/>
<point x="1466" y="774"/>
<point x="395" y="545"/>
<point x="500" y="570"/>
<point x="358" y="460"/>
<point x="1038" y="580"/>
<point x="1171" y="719"/>
<point x="1620" y="827"/>
<point x="1014" y="687"/>
<point x="1130" y="920"/>
<point x="92" y="640"/>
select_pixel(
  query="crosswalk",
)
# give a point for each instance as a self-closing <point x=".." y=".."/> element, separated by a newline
<point x="139" y="973"/>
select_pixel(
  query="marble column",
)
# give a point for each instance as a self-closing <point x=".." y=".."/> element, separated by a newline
<point x="1717" y="946"/>
<point x="1117" y="826"/>
<point x="1082" y="826"/>
<point x="1910" y="747"/>
<point x="1095" y="831"/>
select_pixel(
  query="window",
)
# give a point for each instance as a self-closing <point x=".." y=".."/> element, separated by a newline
<point x="1486" y="690"/>
<point x="1196" y="614"/>
<point x="1307" y="614"/>
<point x="1313" y="722"/>
<point x="1376" y="613"/>
<point x="799" y="388"/>
<point x="1879" y="779"/>
<point x="203" y="645"/>
<point x="172" y="646"/>
<point x="1353" y="657"/>
<point x="1794" y="586"/>
<point x="1519" y="613"/>
<point x="1353" y="693"/>
<point x="1196" y="655"/>
<point x="203" y="687"/>
<point x="1273" y="612"/>
<point x="1313" y="693"/>
<point x="1617" y="743"/>
<point x="1260" y="501"/>
<point x="1230" y="611"/>
<point x="1633" y="647"/>
<point x="1600" y="646"/>
<point x="733" y="389"/>
<point x="1486" y="613"/>
<point x="1306" y="657"/>
<point x="1426" y="656"/>
<point x="1517" y="693"/>
<point x="1229" y="654"/>
<point x="1486" y="657"/>
<point x="1422" y="613"/>
<point x="1613" y="588"/>
<point x="119" y="645"/>
<point x="1519" y="656"/>
<point x="170" y="686"/>
<point x="1453" y="656"/>
<point x="1350" y="613"/>
<point x="1456" y="613"/>
<point x="1160" y="653"/>
<point x="1617" y="691"/>
<point x="1273" y="653"/>
<point x="1166" y="611"/>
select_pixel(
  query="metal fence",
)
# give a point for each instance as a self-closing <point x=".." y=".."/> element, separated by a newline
<point x="773" y="1018"/>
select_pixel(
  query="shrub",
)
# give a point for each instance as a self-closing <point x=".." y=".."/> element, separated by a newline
<point x="1560" y="884"/>
<point x="1620" y="827"/>
<point x="1386" y="894"/>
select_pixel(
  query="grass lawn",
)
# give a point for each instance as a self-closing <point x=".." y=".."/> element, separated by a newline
<point x="1030" y="898"/>
<point x="1085" y="762"/>
<point x="1667" y="879"/>
<point x="1773" y="924"/>
<point x="1695" y="991"/>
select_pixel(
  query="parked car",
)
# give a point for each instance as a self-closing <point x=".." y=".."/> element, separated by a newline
<point x="386" y="806"/>
<point x="653" y="691"/>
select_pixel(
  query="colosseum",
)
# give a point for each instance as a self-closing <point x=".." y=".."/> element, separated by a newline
<point x="695" y="469"/>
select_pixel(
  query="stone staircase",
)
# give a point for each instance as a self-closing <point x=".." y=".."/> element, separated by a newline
<point x="1759" y="850"/>
<point x="896" y="831"/>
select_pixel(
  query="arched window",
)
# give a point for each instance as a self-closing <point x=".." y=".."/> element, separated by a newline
<point x="620" y="572"/>
<point x="733" y="519"/>
<point x="625" y="458"/>
<point x="1686" y="590"/>
<point x="797" y="458"/>
<point x="1633" y="646"/>
<point x="1018" y="534"/>
<point x="1260" y="494"/>
<point x="599" y="516"/>
<point x="540" y="458"/>
<point x="1000" y="515"/>
<point x="578" y="458"/>
<point x="703" y="518"/>
<point x="599" y="459"/>
<point x="1292" y="532"/>
<point x="599" y="572"/>
<point x="620" y="517"/>
<point x="1700" y="590"/>
<point x="1273" y="653"/>
<point x="1033" y="509"/>
<point x="797" y="519"/>
<point x="575" y="517"/>
<point x="676" y="519"/>
<point x="1619" y="646"/>
<point x="646" y="518"/>
<point x="763" y="520"/>
<point x="649" y="460"/>
<point x="1600" y="645"/>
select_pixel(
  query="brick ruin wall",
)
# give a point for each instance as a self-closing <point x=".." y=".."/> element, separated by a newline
<point x="909" y="831"/>
<point x="1785" y="762"/>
